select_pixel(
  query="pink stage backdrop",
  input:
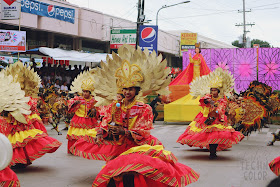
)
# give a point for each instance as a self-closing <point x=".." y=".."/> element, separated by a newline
<point x="242" y="63"/>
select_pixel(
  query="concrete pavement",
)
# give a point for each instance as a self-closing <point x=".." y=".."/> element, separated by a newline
<point x="244" y="165"/>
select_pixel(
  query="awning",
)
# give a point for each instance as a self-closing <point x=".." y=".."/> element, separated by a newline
<point x="60" y="54"/>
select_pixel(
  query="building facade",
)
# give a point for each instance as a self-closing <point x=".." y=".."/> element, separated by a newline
<point x="89" y="32"/>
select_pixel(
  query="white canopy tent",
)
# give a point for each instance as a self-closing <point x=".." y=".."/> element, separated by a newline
<point x="60" y="54"/>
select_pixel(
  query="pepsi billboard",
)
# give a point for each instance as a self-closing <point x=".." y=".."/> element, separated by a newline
<point x="148" y="37"/>
<point x="47" y="10"/>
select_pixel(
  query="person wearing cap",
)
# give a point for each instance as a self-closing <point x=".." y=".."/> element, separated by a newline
<point x="85" y="117"/>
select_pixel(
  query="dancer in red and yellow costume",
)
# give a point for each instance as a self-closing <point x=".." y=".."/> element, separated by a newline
<point x="85" y="119"/>
<point x="8" y="178"/>
<point x="210" y="127"/>
<point x="28" y="80"/>
<point x="29" y="142"/>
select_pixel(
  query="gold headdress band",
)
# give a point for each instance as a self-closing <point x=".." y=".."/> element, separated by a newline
<point x="88" y="85"/>
<point x="120" y="91"/>
<point x="128" y="75"/>
<point x="216" y="82"/>
<point x="197" y="45"/>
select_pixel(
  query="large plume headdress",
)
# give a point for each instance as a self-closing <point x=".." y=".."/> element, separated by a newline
<point x="221" y="79"/>
<point x="12" y="98"/>
<point x="28" y="79"/>
<point x="84" y="81"/>
<point x="128" y="68"/>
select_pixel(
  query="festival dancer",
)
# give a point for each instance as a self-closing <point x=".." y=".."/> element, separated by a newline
<point x="28" y="140"/>
<point x="210" y="127"/>
<point x="127" y="123"/>
<point x="8" y="178"/>
<point x="86" y="114"/>
<point x="29" y="81"/>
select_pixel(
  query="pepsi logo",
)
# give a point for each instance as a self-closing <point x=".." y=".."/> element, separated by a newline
<point x="51" y="10"/>
<point x="148" y="34"/>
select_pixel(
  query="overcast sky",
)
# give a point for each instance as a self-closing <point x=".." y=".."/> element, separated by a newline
<point x="215" y="19"/>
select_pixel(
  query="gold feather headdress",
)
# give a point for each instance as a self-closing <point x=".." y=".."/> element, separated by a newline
<point x="221" y="79"/>
<point x="28" y="79"/>
<point x="128" y="68"/>
<point x="12" y="98"/>
<point x="84" y="81"/>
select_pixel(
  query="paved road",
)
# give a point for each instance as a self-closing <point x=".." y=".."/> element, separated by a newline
<point x="244" y="165"/>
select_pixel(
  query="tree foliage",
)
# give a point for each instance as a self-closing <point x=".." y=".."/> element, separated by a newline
<point x="254" y="41"/>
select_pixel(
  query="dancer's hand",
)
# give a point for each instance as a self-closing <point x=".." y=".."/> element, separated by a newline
<point x="117" y="130"/>
<point x="99" y="138"/>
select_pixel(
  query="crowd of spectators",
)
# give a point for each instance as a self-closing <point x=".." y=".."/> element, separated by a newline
<point x="59" y="76"/>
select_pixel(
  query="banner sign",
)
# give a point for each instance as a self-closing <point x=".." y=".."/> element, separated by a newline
<point x="148" y="37"/>
<point x="188" y="41"/>
<point x="52" y="11"/>
<point x="26" y="61"/>
<point x="121" y="36"/>
<point x="12" y="41"/>
<point x="10" y="9"/>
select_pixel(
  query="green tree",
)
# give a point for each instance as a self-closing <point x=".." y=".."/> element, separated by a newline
<point x="254" y="41"/>
<point x="236" y="43"/>
<point x="260" y="42"/>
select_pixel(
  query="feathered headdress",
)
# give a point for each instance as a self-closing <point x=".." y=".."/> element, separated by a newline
<point x="221" y="79"/>
<point x="12" y="98"/>
<point x="28" y="79"/>
<point x="128" y="75"/>
<point x="129" y="68"/>
<point x="84" y="81"/>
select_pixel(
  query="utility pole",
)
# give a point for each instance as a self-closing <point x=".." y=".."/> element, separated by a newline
<point x="244" y="23"/>
<point x="140" y="19"/>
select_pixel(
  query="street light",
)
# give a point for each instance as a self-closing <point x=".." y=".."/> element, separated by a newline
<point x="165" y="6"/>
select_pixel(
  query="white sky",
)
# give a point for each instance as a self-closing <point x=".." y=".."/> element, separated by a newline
<point x="215" y="19"/>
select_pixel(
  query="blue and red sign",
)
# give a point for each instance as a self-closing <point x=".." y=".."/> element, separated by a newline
<point x="47" y="10"/>
<point x="148" y="37"/>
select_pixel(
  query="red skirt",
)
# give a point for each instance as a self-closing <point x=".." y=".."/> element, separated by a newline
<point x="8" y="178"/>
<point x="107" y="150"/>
<point x="200" y="135"/>
<point x="79" y="126"/>
<point x="275" y="166"/>
<point x="37" y="122"/>
<point x="34" y="149"/>
<point x="147" y="171"/>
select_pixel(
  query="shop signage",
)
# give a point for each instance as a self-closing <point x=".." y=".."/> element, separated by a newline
<point x="148" y="37"/>
<point x="120" y="37"/>
<point x="47" y="10"/>
<point x="12" y="41"/>
<point x="188" y="41"/>
<point x="10" y="9"/>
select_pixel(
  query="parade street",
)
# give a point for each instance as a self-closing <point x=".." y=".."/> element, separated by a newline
<point x="244" y="165"/>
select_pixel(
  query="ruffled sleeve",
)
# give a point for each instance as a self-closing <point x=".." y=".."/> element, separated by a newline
<point x="202" y="100"/>
<point x="143" y="124"/>
<point x="222" y="109"/>
<point x="72" y="107"/>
